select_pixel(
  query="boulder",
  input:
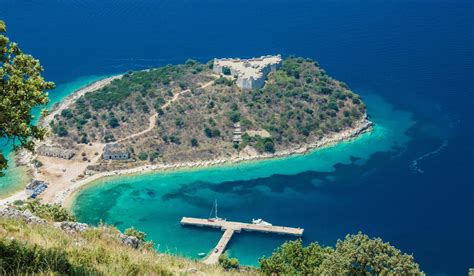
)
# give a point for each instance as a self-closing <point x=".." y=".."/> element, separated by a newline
<point x="71" y="227"/>
<point x="26" y="215"/>
<point x="129" y="240"/>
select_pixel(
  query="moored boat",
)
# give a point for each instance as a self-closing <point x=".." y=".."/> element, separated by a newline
<point x="261" y="222"/>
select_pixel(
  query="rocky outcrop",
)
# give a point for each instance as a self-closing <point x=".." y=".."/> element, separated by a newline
<point x="131" y="241"/>
<point x="71" y="227"/>
<point x="26" y="215"/>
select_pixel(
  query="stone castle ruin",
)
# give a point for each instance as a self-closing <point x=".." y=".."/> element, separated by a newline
<point x="56" y="152"/>
<point x="115" y="152"/>
<point x="251" y="72"/>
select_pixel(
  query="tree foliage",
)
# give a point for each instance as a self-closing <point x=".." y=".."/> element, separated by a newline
<point x="228" y="263"/>
<point x="355" y="255"/>
<point x="52" y="212"/>
<point x="140" y="236"/>
<point x="292" y="258"/>
<point x="21" y="89"/>
<point x="359" y="254"/>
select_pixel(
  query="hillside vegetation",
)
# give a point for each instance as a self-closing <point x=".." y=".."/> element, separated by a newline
<point x="43" y="248"/>
<point x="35" y="248"/>
<point x="299" y="104"/>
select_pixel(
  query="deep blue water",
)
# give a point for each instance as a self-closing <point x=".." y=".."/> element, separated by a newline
<point x="418" y="55"/>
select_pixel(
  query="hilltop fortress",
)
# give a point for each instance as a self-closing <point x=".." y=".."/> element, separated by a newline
<point x="251" y="72"/>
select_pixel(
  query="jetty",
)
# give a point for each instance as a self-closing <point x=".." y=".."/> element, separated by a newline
<point x="231" y="227"/>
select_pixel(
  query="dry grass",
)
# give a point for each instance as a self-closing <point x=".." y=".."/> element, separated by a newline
<point x="96" y="251"/>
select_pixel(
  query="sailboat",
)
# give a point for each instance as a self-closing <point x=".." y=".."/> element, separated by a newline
<point x="214" y="210"/>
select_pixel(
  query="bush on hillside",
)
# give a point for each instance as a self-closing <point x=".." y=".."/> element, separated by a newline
<point x="228" y="263"/>
<point x="20" y="258"/>
<point x="355" y="255"/>
<point x="52" y="212"/>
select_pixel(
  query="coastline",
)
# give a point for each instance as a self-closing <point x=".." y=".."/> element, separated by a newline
<point x="66" y="197"/>
<point x="23" y="158"/>
<point x="57" y="108"/>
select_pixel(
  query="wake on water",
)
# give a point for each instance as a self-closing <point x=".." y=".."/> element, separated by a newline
<point x="414" y="164"/>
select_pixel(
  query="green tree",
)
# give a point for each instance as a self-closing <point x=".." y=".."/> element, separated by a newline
<point x="154" y="155"/>
<point x="208" y="132"/>
<point x="228" y="263"/>
<point x="67" y="113"/>
<point x="226" y="71"/>
<point x="269" y="146"/>
<point x="359" y="254"/>
<point x="53" y="212"/>
<point x="113" y="122"/>
<point x="21" y="89"/>
<point x="356" y="255"/>
<point x="142" y="156"/>
<point x="134" y="232"/>
<point x="140" y="236"/>
<point x="292" y="258"/>
<point x="194" y="142"/>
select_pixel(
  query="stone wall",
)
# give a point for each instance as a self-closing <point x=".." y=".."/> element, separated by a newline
<point x="247" y="82"/>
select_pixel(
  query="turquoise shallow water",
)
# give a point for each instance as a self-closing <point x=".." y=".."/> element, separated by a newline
<point x="155" y="203"/>
<point x="16" y="177"/>
<point x="417" y="55"/>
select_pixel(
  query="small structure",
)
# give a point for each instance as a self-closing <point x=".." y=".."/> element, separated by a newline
<point x="115" y="152"/>
<point x="237" y="134"/>
<point x="251" y="72"/>
<point x="55" y="152"/>
<point x="35" y="188"/>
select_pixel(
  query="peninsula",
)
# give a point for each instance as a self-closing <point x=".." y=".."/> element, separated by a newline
<point x="193" y="115"/>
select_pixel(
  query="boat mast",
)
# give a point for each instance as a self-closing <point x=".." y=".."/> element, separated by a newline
<point x="212" y="209"/>
<point x="216" y="208"/>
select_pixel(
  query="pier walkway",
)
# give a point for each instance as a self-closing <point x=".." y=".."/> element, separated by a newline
<point x="230" y="227"/>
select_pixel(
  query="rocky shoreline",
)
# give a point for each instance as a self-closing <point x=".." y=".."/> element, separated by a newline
<point x="64" y="197"/>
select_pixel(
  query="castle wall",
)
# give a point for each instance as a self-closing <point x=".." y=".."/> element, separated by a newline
<point x="249" y="77"/>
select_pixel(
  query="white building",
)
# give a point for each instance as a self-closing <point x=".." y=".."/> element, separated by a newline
<point x="251" y="72"/>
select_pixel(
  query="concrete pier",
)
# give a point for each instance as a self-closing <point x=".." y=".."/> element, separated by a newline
<point x="230" y="227"/>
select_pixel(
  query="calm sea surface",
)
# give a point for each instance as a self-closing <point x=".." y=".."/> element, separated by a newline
<point x="409" y="182"/>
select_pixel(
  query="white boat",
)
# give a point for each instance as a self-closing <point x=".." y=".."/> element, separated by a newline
<point x="261" y="222"/>
<point x="202" y="254"/>
<point x="215" y="218"/>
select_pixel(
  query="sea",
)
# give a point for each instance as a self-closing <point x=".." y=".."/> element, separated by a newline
<point x="410" y="181"/>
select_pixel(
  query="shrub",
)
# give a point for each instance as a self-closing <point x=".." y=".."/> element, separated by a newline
<point x="224" y="81"/>
<point x="53" y="212"/>
<point x="234" y="116"/>
<point x="228" y="263"/>
<point x="67" y="113"/>
<point x="62" y="132"/>
<point x="142" y="156"/>
<point x="134" y="232"/>
<point x="19" y="257"/>
<point x="226" y="71"/>
<point x="154" y="155"/>
<point x="194" y="142"/>
<point x="356" y="255"/>
<point x="113" y="122"/>
<point x="269" y="146"/>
